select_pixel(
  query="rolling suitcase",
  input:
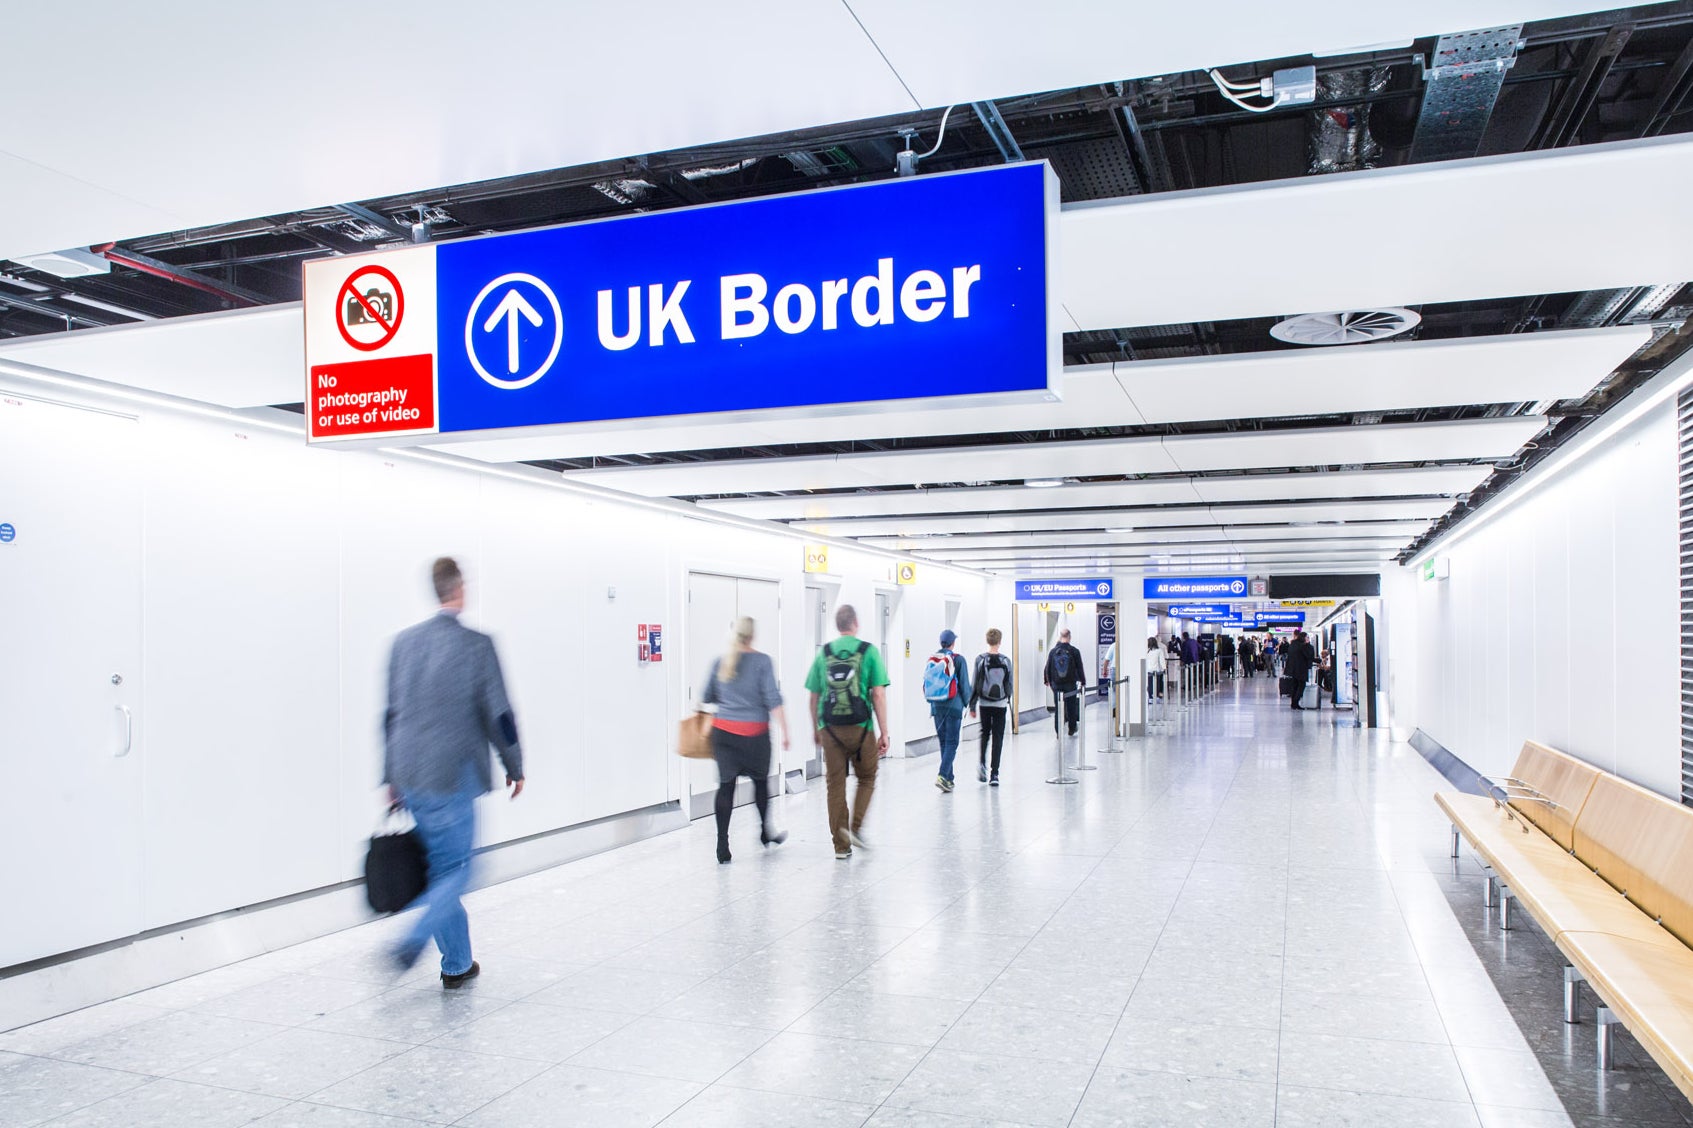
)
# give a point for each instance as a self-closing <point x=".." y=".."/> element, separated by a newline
<point x="1309" y="699"/>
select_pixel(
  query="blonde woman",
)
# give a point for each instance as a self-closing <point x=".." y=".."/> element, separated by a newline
<point x="743" y="687"/>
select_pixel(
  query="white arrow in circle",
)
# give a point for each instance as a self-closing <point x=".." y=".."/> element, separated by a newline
<point x="510" y="307"/>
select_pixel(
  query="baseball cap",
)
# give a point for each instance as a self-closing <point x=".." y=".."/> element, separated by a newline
<point x="948" y="638"/>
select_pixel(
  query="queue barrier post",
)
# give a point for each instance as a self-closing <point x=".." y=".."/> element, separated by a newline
<point x="1058" y="738"/>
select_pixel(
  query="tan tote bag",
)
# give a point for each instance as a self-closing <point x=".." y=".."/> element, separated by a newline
<point x="693" y="737"/>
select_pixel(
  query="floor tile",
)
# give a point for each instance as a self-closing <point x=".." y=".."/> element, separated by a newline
<point x="291" y="1000"/>
<point x="1300" y="1107"/>
<point x="91" y="1022"/>
<point x="1236" y="1053"/>
<point x="533" y="1030"/>
<point x="858" y="1012"/>
<point x="723" y="1107"/>
<point x="431" y="1084"/>
<point x="1407" y="1069"/>
<point x="572" y="1095"/>
<point x="294" y="1063"/>
<point x="173" y="1104"/>
<point x="1026" y="1090"/>
<point x="407" y="1015"/>
<point x="625" y="990"/>
<point x="1034" y="1032"/>
<point x="1136" y="1097"/>
<point x="166" y="1045"/>
<point x="668" y="1047"/>
<point x="302" y="1114"/>
<point x="34" y="1090"/>
<point x="828" y="1066"/>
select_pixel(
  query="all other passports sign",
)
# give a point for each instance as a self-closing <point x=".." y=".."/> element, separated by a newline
<point x="920" y="288"/>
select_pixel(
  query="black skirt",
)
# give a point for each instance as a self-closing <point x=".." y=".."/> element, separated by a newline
<point x="738" y="755"/>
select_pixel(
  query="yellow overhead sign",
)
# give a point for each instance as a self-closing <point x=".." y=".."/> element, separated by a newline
<point x="908" y="573"/>
<point x="816" y="558"/>
<point x="1307" y="602"/>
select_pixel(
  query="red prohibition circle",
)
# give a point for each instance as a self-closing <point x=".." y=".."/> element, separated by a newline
<point x="349" y="290"/>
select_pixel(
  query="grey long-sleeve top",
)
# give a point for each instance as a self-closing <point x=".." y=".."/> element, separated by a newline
<point x="752" y="694"/>
<point x="446" y="704"/>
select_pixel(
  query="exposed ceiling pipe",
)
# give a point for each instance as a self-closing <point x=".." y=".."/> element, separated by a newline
<point x="147" y="265"/>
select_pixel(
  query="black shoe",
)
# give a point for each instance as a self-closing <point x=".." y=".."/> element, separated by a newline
<point x="454" y="982"/>
<point x="993" y="780"/>
<point x="723" y="854"/>
<point x="776" y="839"/>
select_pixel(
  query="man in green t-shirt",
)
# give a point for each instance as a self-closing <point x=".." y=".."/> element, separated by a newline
<point x="847" y="684"/>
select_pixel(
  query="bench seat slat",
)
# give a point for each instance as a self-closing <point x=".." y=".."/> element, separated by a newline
<point x="1649" y="984"/>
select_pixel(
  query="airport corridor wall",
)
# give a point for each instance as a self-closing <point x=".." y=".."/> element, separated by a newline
<point x="1559" y="621"/>
<point x="271" y="581"/>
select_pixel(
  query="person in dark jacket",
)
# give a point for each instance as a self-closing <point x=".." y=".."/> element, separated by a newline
<point x="1225" y="654"/>
<point x="1301" y="656"/>
<point x="1065" y="673"/>
<point x="446" y="706"/>
<point x="1248" y="654"/>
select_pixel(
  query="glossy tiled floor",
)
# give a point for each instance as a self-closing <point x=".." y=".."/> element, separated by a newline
<point x="1243" y="922"/>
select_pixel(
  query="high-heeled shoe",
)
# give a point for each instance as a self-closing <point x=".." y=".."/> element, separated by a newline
<point x="770" y="839"/>
<point x="723" y="855"/>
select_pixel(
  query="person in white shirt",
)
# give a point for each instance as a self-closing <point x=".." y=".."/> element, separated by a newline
<point x="1154" y="669"/>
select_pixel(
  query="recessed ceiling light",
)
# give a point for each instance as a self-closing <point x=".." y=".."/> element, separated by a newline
<point x="1119" y="530"/>
<point x="1042" y="483"/>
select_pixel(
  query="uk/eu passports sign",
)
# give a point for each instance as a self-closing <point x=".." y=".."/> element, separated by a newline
<point x="926" y="288"/>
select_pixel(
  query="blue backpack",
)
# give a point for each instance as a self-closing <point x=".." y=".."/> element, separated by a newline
<point x="940" y="679"/>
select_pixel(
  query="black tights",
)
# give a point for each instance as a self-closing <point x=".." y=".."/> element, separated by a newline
<point x="726" y="805"/>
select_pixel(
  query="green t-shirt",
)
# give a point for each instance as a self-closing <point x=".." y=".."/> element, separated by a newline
<point x="871" y="672"/>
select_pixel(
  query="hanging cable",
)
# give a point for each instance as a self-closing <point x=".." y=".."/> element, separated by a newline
<point x="942" y="137"/>
<point x="1228" y="90"/>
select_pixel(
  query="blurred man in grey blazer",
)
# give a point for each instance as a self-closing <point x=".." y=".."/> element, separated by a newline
<point x="446" y="705"/>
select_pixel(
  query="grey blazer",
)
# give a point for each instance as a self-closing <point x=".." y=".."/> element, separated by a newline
<point x="446" y="705"/>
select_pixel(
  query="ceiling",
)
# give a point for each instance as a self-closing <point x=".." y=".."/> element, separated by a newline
<point x="1186" y="437"/>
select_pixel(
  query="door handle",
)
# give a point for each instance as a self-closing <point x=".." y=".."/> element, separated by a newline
<point x="128" y="730"/>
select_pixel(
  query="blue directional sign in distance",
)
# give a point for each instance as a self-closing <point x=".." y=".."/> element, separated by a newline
<point x="1096" y="590"/>
<point x="924" y="287"/>
<point x="1195" y="587"/>
<point x="8" y="533"/>
<point x="1282" y="618"/>
<point x="1194" y="610"/>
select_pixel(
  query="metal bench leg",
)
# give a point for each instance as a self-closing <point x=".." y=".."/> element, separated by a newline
<point x="1454" y="840"/>
<point x="1505" y="899"/>
<point x="1490" y="891"/>
<point x="1606" y="1020"/>
<point x="1573" y="979"/>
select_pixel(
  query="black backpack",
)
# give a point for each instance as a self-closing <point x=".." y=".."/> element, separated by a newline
<point x="1061" y="675"/>
<point x="996" y="678"/>
<point x="844" y="702"/>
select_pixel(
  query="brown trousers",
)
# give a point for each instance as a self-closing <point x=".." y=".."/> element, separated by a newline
<point x="844" y="745"/>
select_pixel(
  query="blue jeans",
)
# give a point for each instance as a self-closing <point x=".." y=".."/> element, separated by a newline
<point x="947" y="724"/>
<point x="447" y="825"/>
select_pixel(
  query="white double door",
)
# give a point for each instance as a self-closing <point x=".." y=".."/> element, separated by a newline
<point x="715" y="604"/>
<point x="71" y="754"/>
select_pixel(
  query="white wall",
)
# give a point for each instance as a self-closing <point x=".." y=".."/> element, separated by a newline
<point x="273" y="578"/>
<point x="1559" y="621"/>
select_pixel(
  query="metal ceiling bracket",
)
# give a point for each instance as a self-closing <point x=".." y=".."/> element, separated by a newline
<point x="988" y="114"/>
<point x="1463" y="85"/>
<point x="376" y="218"/>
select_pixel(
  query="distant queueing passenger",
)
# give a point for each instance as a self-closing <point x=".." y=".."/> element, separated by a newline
<point x="991" y="695"/>
<point x="848" y="684"/>
<point x="446" y="705"/>
<point x="946" y="687"/>
<point x="1154" y="669"/>
<point x="1301" y="657"/>
<point x="742" y="684"/>
<point x="1191" y="653"/>
<point x="1175" y="647"/>
<point x="1270" y="655"/>
<point x="1066" y="674"/>
<point x="1225" y="654"/>
<point x="1248" y="654"/>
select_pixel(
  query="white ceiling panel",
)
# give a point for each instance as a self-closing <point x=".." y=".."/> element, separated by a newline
<point x="1516" y="368"/>
<point x="1449" y="480"/>
<point x="249" y="358"/>
<point x="1375" y="545"/>
<point x="526" y="86"/>
<point x="998" y="48"/>
<point x="1231" y="515"/>
<point x="1242" y="450"/>
<point x="1219" y="534"/>
<point x="1200" y="238"/>
<point x="1399" y="442"/>
<point x="1246" y="487"/>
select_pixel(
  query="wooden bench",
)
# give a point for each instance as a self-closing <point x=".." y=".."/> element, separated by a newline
<point x="1606" y="868"/>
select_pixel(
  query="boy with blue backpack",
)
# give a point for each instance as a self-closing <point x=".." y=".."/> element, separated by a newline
<point x="946" y="687"/>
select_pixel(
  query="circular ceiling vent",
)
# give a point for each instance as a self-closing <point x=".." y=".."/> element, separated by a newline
<point x="1352" y="327"/>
